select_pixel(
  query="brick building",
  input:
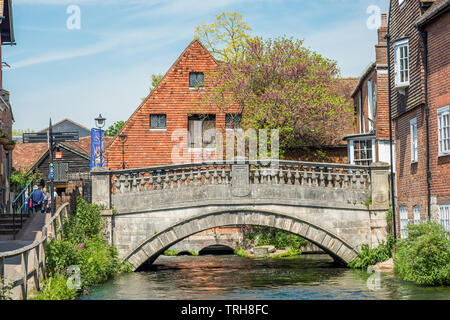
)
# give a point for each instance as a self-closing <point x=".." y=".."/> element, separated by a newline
<point x="419" y="34"/>
<point x="6" y="115"/>
<point x="370" y="141"/>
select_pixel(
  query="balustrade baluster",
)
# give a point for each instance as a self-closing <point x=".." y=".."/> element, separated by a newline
<point x="321" y="177"/>
<point x="158" y="180"/>
<point x="297" y="177"/>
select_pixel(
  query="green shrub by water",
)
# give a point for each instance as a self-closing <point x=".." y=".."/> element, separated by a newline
<point x="83" y="246"/>
<point x="368" y="257"/>
<point x="424" y="257"/>
<point x="262" y="236"/>
<point x="288" y="254"/>
<point x="55" y="288"/>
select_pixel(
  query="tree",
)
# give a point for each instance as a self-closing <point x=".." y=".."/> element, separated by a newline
<point x="114" y="128"/>
<point x="279" y="84"/>
<point x="226" y="37"/>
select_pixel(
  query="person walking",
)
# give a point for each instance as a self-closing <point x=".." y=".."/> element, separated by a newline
<point x="47" y="200"/>
<point x="37" y="198"/>
<point x="27" y="201"/>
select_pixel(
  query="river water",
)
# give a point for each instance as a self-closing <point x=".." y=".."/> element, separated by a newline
<point x="233" y="277"/>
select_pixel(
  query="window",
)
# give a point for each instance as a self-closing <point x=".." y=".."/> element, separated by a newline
<point x="201" y="134"/>
<point x="416" y="214"/>
<point x="404" y="222"/>
<point x="401" y="61"/>
<point x="413" y="127"/>
<point x="444" y="216"/>
<point x="400" y="3"/>
<point x="60" y="171"/>
<point x="157" y="121"/>
<point x="362" y="150"/>
<point x="233" y="121"/>
<point x="196" y="79"/>
<point x="444" y="130"/>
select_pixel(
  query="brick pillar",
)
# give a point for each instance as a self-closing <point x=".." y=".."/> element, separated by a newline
<point x="101" y="187"/>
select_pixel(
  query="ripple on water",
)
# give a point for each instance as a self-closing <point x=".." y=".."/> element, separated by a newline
<point x="232" y="277"/>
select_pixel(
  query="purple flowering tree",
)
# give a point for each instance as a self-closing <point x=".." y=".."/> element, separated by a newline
<point x="280" y="84"/>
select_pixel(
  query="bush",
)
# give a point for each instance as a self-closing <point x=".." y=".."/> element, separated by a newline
<point x="280" y="239"/>
<point x="424" y="257"/>
<point x="83" y="245"/>
<point x="368" y="257"/>
<point x="288" y="254"/>
<point x="56" y="288"/>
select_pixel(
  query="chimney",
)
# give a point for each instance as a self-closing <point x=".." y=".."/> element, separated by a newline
<point x="381" y="47"/>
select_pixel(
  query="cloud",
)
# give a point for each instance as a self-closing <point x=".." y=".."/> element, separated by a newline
<point x="123" y="41"/>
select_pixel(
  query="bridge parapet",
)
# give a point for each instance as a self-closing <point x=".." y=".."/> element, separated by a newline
<point x="309" y="174"/>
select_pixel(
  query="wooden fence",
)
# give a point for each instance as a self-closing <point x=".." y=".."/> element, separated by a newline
<point x="53" y="229"/>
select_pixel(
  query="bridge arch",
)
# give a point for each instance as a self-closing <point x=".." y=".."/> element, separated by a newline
<point x="151" y="248"/>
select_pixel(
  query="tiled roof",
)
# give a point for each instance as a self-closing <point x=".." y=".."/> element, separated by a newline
<point x="26" y="155"/>
<point x="436" y="8"/>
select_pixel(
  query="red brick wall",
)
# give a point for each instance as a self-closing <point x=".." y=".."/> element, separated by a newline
<point x="172" y="97"/>
<point x="438" y="96"/>
<point x="411" y="183"/>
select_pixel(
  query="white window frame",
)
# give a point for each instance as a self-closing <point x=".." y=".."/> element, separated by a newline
<point x="404" y="222"/>
<point x="444" y="216"/>
<point x="414" y="141"/>
<point x="352" y="159"/>
<point x="400" y="61"/>
<point x="401" y="3"/>
<point x="416" y="210"/>
<point x="444" y="131"/>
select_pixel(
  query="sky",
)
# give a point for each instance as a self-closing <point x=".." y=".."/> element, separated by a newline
<point x="105" y="65"/>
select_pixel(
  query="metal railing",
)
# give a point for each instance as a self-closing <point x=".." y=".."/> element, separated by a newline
<point x="20" y="207"/>
<point x="53" y="229"/>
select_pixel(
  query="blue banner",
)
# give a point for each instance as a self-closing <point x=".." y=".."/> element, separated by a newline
<point x="97" y="148"/>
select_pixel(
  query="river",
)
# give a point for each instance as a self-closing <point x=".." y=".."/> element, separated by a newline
<point x="234" y="277"/>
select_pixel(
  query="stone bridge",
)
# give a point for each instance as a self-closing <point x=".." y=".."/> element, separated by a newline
<point x="337" y="207"/>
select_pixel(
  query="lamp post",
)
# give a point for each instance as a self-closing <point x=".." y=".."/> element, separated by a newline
<point x="100" y="123"/>
<point x="123" y="138"/>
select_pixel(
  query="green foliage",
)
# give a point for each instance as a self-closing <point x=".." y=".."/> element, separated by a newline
<point x="226" y="37"/>
<point x="5" y="290"/>
<point x="241" y="253"/>
<point x="85" y="224"/>
<point x="114" y="128"/>
<point x="288" y="254"/>
<point x="280" y="239"/>
<point x="368" y="257"/>
<point x="424" y="257"/>
<point x="193" y="252"/>
<point x="171" y="253"/>
<point x="20" y="178"/>
<point x="279" y="84"/>
<point x="83" y="245"/>
<point x="55" y="288"/>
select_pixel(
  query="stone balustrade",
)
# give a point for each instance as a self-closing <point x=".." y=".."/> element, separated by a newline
<point x="308" y="174"/>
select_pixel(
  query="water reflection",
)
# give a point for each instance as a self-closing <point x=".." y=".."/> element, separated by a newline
<point x="232" y="277"/>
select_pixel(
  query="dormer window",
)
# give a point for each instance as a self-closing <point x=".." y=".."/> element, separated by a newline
<point x="401" y="62"/>
<point x="196" y="79"/>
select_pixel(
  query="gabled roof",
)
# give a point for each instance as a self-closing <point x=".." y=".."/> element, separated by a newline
<point x="64" y="120"/>
<point x="437" y="8"/>
<point x="29" y="155"/>
<point x="125" y="127"/>
<point x="369" y="69"/>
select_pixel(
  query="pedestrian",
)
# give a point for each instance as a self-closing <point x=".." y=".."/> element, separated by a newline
<point x="55" y="195"/>
<point x="27" y="200"/>
<point x="37" y="198"/>
<point x="47" y="200"/>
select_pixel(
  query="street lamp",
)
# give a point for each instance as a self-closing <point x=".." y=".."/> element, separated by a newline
<point x="100" y="123"/>
<point x="123" y="138"/>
